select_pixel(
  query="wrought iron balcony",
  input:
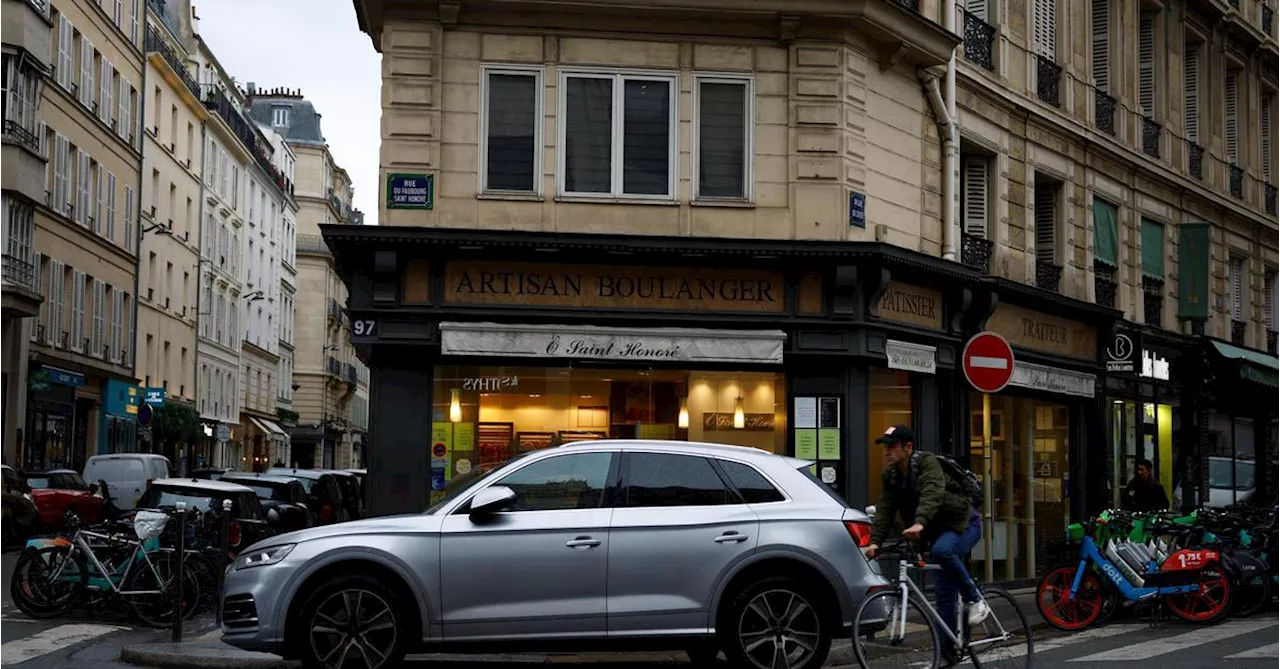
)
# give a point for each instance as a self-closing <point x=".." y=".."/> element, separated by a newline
<point x="975" y="252"/>
<point x="14" y="132"/>
<point x="156" y="44"/>
<point x="1152" y="300"/>
<point x="1195" y="160"/>
<point x="216" y="100"/>
<point x="979" y="41"/>
<point x="1048" y="76"/>
<point x="1104" y="284"/>
<point x="1104" y="112"/>
<point x="1237" y="332"/>
<point x="1236" y="181"/>
<point x="1048" y="276"/>
<point x="1269" y="198"/>
<point x="1150" y="137"/>
<point x="1271" y="342"/>
<point x="19" y="271"/>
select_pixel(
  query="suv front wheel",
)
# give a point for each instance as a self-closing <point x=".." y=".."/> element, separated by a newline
<point x="351" y="622"/>
<point x="774" y="623"/>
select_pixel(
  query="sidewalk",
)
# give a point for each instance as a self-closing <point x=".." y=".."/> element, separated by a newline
<point x="208" y="652"/>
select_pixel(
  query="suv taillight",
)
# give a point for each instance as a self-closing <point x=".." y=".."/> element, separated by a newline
<point x="861" y="532"/>
<point x="233" y="533"/>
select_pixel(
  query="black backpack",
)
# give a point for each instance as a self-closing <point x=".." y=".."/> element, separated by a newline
<point x="963" y="481"/>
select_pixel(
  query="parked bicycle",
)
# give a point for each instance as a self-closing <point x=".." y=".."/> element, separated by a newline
<point x="898" y="626"/>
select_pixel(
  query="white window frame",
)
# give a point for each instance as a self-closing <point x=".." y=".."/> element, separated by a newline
<point x="618" y="76"/>
<point x="81" y="211"/>
<point x="106" y="91"/>
<point x="538" y="73"/>
<point x="129" y="214"/>
<point x="87" y="85"/>
<point x="66" y="53"/>
<point x="78" y="280"/>
<point x="1237" y="287"/>
<point x="111" y="207"/>
<point x="280" y="116"/>
<point x="748" y="81"/>
<point x="98" y="331"/>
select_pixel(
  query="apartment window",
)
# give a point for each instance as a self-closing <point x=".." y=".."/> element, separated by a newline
<point x="280" y="117"/>
<point x="1147" y="64"/>
<point x="124" y="127"/>
<point x="1046" y="213"/>
<point x="510" y="130"/>
<point x="974" y="195"/>
<point x="98" y="334"/>
<point x="1046" y="28"/>
<point x="106" y="91"/>
<point x="65" y="70"/>
<point x="81" y="211"/>
<point x="19" y="231"/>
<point x="128" y="218"/>
<point x="61" y="174"/>
<point x="117" y="14"/>
<point x="1191" y="91"/>
<point x="1264" y="137"/>
<point x="1269" y="299"/>
<point x="21" y="98"/>
<point x="117" y="324"/>
<point x="134" y="17"/>
<point x="722" y="137"/>
<point x="1235" y="281"/>
<point x="100" y="198"/>
<point x="1100" y="44"/>
<point x="77" y="310"/>
<point x="86" y="89"/>
<point x="617" y="134"/>
<point x="1231" y="104"/>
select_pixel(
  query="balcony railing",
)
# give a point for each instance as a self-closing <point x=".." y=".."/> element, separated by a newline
<point x="20" y="272"/>
<point x="1104" y="284"/>
<point x="979" y="41"/>
<point x="1269" y="198"/>
<point x="1104" y="112"/>
<point x="351" y="373"/>
<point x="1048" y="76"/>
<point x="1152" y="300"/>
<point x="1195" y="160"/>
<point x="1271" y="342"/>
<point x="333" y="367"/>
<point x="1150" y="137"/>
<point x="975" y="252"/>
<point x="1237" y="332"/>
<point x="155" y="43"/>
<point x="1235" y="175"/>
<point x="1048" y="276"/>
<point x="14" y="132"/>
<point x="216" y="100"/>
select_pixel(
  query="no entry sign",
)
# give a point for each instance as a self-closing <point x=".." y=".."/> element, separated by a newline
<point x="988" y="362"/>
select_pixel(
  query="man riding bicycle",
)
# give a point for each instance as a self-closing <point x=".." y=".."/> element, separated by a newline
<point x="934" y="509"/>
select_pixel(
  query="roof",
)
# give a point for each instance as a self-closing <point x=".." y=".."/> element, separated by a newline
<point x="204" y="484"/>
<point x="297" y="473"/>
<point x="122" y="456"/>
<point x="304" y="120"/>
<point x="50" y="472"/>
<point x="264" y="478"/>
<point x="693" y="447"/>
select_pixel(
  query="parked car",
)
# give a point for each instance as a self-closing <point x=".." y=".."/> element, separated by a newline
<point x="248" y="521"/>
<point x="361" y="475"/>
<point x="126" y="474"/>
<point x="20" y="515"/>
<point x="352" y="495"/>
<point x="685" y="546"/>
<point x="59" y="490"/>
<point x="282" y="497"/>
<point x="212" y="473"/>
<point x="324" y="495"/>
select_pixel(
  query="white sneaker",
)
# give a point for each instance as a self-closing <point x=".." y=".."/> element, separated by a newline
<point x="978" y="612"/>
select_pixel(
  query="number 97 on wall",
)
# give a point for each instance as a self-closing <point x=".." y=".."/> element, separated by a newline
<point x="364" y="327"/>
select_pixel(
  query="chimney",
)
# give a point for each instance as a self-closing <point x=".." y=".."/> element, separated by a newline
<point x="251" y="88"/>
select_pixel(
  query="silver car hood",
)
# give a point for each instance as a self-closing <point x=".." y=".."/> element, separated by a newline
<point x="407" y="523"/>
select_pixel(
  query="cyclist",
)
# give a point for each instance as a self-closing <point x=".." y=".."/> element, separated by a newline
<point x="934" y="510"/>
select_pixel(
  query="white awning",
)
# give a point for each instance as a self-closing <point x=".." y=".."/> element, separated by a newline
<point x="589" y="342"/>
<point x="1053" y="379"/>
<point x="268" y="427"/>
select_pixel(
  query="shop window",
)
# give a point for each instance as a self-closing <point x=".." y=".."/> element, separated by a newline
<point x="890" y="404"/>
<point x="566" y="482"/>
<point x="751" y="484"/>
<point x="667" y="479"/>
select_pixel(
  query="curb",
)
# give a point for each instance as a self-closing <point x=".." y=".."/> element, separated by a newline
<point x="215" y="655"/>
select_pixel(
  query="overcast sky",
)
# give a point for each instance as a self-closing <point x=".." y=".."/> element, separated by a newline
<point x="314" y="45"/>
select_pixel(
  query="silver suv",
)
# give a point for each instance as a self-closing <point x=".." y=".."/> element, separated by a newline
<point x="617" y="544"/>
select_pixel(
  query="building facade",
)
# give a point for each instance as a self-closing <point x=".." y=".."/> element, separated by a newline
<point x="81" y="398"/>
<point x="174" y="124"/>
<point x="285" y="243"/>
<point x="326" y="372"/>
<point x="27" y="63"/>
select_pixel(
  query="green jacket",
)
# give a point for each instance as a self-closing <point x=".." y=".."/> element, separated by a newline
<point x="928" y="497"/>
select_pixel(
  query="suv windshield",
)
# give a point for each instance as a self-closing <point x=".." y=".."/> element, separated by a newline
<point x="243" y="505"/>
<point x="461" y="484"/>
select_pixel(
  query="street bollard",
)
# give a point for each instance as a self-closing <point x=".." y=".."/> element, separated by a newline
<point x="180" y="572"/>
<point x="224" y="548"/>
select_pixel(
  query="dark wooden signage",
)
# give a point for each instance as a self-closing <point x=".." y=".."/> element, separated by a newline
<point x="912" y="305"/>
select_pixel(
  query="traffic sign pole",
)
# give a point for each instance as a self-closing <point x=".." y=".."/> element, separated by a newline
<point x="988" y="492"/>
<point x="988" y="365"/>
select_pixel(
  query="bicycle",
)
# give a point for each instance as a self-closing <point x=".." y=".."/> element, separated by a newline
<point x="883" y="634"/>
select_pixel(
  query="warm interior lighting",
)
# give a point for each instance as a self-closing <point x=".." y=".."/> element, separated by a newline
<point x="455" y="406"/>
<point x="739" y="414"/>
<point x="683" y="420"/>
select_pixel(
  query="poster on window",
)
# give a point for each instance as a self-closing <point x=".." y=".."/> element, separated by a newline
<point x="829" y="412"/>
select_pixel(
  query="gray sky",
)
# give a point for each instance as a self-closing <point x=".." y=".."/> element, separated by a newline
<point x="314" y="45"/>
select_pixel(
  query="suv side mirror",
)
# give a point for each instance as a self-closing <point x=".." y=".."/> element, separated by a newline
<point x="492" y="500"/>
<point x="273" y="516"/>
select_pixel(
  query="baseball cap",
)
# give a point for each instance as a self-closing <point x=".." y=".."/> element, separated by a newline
<point x="898" y="434"/>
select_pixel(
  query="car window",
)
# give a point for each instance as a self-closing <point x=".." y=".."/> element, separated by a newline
<point x="134" y="471"/>
<point x="297" y="492"/>
<point x="561" y="482"/>
<point x="666" y="479"/>
<point x="262" y="491"/>
<point x="159" y="468"/>
<point x="751" y="484"/>
<point x="106" y="470"/>
<point x="38" y="482"/>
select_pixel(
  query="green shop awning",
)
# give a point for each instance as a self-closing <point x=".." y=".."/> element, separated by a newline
<point x="1254" y="366"/>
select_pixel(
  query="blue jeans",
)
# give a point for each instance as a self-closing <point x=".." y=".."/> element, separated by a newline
<point x="949" y="550"/>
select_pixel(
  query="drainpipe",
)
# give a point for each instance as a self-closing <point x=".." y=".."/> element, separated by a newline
<point x="944" y="110"/>
<point x="195" y="370"/>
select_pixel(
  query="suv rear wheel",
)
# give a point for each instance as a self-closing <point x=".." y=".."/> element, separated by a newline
<point x="351" y="621"/>
<point x="775" y="622"/>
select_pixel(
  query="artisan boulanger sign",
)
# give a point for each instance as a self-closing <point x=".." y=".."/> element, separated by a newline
<point x="606" y="343"/>
<point x="1044" y="332"/>
<point x="605" y="286"/>
<point x="912" y="305"/>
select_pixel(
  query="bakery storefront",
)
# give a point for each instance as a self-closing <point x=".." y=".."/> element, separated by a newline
<point x="483" y="346"/>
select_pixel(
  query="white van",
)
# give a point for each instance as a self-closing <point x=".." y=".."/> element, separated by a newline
<point x="126" y="474"/>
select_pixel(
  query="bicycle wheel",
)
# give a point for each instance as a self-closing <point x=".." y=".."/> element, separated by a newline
<point x="1210" y="604"/>
<point x="155" y="608"/>
<point x="1059" y="608"/>
<point x="34" y="589"/>
<point x="1003" y="640"/>
<point x="886" y="635"/>
<point x="207" y="574"/>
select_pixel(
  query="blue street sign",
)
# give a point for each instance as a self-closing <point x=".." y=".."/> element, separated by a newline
<point x="857" y="209"/>
<point x="153" y="395"/>
<point x="411" y="191"/>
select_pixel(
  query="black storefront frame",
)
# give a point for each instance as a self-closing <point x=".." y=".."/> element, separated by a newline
<point x="847" y="336"/>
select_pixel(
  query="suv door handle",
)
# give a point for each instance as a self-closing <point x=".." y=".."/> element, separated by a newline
<point x="729" y="537"/>
<point x="582" y="542"/>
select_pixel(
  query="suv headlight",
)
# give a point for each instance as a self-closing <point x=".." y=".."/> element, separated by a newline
<point x="262" y="557"/>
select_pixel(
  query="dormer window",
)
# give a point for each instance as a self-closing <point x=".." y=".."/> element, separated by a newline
<point x="279" y="117"/>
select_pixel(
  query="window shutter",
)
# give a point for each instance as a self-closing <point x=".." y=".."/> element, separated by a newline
<point x="1236" y="277"/>
<point x="1269" y="299"/>
<point x="1152" y="252"/>
<point x="1191" y="90"/>
<point x="86" y="72"/>
<point x="99" y="325"/>
<point x="1101" y="44"/>
<point x="66" y="37"/>
<point x="61" y="170"/>
<point x="978" y="8"/>
<point x="128" y="218"/>
<point x="57" y="303"/>
<point x="82" y="188"/>
<point x="105" y="91"/>
<point x="1105" y="240"/>
<point x="125" y="120"/>
<point x="117" y="14"/>
<point x="1046" y="29"/>
<point x="100" y="185"/>
<point x="133" y="20"/>
<point x="114" y="341"/>
<point x="77" y="310"/>
<point x="1147" y="65"/>
<point x="1264" y="137"/>
<point x="111" y="206"/>
<point x="975" y="196"/>
<point x="37" y="261"/>
<point x="1231" y="105"/>
<point x="1046" y="228"/>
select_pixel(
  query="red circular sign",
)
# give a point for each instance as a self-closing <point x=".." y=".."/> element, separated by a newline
<point x="988" y="362"/>
<point x="439" y="450"/>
